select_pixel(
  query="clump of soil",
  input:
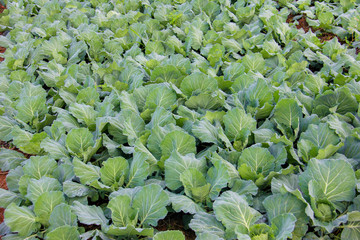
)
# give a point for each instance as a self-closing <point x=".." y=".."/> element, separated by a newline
<point x="174" y="221"/>
<point x="3" y="186"/>
<point x="2" y="50"/>
<point x="327" y="36"/>
<point x="303" y="24"/>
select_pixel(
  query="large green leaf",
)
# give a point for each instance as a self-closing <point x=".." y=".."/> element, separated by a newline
<point x="63" y="233"/>
<point x="207" y="132"/>
<point x="169" y="235"/>
<point x="320" y="135"/>
<point x="279" y="204"/>
<point x="10" y="159"/>
<point x="334" y="179"/>
<point x="352" y="228"/>
<point x="61" y="215"/>
<point x="84" y="113"/>
<point x="258" y="160"/>
<point x="207" y="223"/>
<point x="89" y="214"/>
<point x="151" y="201"/>
<point x="139" y="170"/>
<point x="30" y="108"/>
<point x="131" y="124"/>
<point x="162" y="96"/>
<point x="218" y="177"/>
<point x="177" y="164"/>
<point x="88" y="96"/>
<point x="46" y="203"/>
<point x="195" y="184"/>
<point x="79" y="140"/>
<point x="184" y="204"/>
<point x="114" y="170"/>
<point x="341" y="101"/>
<point x="287" y="115"/>
<point x="318" y="141"/>
<point x="283" y="226"/>
<point x="121" y="212"/>
<point x="231" y="170"/>
<point x="36" y="188"/>
<point x="198" y="82"/>
<point x="160" y="117"/>
<point x="233" y="210"/>
<point x="6" y="125"/>
<point x="194" y="38"/>
<point x="254" y="62"/>
<point x="7" y="197"/>
<point x="86" y="172"/>
<point x="21" y="220"/>
<point x="54" y="148"/>
<point x="168" y="73"/>
<point x="211" y="101"/>
<point x="236" y="120"/>
<point x="130" y="230"/>
<point x="259" y="94"/>
<point x="178" y="141"/>
<point x="39" y="166"/>
<point x="26" y="141"/>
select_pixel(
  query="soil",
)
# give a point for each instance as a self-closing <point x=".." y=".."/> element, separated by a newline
<point x="174" y="221"/>
<point x="3" y="181"/>
<point x="3" y="186"/>
<point x="326" y="36"/>
<point x="303" y="24"/>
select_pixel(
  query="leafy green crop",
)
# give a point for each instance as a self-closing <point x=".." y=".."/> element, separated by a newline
<point x="231" y="112"/>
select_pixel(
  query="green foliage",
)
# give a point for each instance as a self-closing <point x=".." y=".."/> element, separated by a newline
<point x="227" y="111"/>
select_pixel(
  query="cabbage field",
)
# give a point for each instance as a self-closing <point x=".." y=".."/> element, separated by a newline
<point x="180" y="119"/>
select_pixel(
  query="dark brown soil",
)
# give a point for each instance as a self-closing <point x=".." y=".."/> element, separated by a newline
<point x="174" y="221"/>
<point x="2" y="182"/>
<point x="303" y="24"/>
<point x="326" y="36"/>
<point x="3" y="186"/>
